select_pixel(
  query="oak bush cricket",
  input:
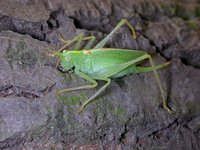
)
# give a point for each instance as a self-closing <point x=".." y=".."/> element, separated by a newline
<point x="100" y="63"/>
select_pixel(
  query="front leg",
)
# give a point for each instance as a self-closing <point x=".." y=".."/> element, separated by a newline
<point x="84" y="76"/>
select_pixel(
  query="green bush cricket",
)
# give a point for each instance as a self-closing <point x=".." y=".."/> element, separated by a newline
<point x="100" y="63"/>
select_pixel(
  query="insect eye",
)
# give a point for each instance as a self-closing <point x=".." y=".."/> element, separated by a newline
<point x="68" y="58"/>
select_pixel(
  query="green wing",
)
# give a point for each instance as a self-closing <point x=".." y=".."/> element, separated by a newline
<point x="114" y="69"/>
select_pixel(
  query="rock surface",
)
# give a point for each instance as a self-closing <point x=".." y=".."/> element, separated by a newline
<point x="129" y="114"/>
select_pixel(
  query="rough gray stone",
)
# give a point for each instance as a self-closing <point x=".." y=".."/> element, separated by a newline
<point x="129" y="114"/>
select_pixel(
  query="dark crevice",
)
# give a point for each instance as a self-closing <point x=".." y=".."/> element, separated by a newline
<point x="190" y="57"/>
<point x="10" y="142"/>
<point x="177" y="123"/>
<point x="186" y="59"/>
<point x="37" y="30"/>
<point x="104" y="23"/>
<point x="55" y="20"/>
<point x="34" y="29"/>
<point x="152" y="43"/>
<point x="77" y="23"/>
<point x="10" y="90"/>
<point x="52" y="23"/>
<point x="123" y="134"/>
<point x="186" y="62"/>
<point x="157" y="48"/>
<point x="154" y="134"/>
<point x="90" y="25"/>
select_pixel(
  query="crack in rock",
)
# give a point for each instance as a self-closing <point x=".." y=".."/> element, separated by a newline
<point x="123" y="134"/>
<point x="156" y="133"/>
<point x="10" y="90"/>
<point x="12" y="142"/>
<point x="37" y="30"/>
<point x="34" y="29"/>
